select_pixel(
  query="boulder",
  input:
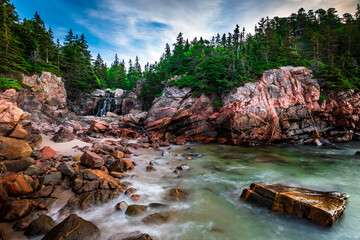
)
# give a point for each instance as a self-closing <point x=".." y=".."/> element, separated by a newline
<point x="10" y="114"/>
<point x="42" y="193"/>
<point x="91" y="160"/>
<point x="324" y="208"/>
<point x="11" y="148"/>
<point x="121" y="206"/>
<point x="16" y="209"/>
<point x="16" y="184"/>
<point x="73" y="228"/>
<point x="42" y="225"/>
<point x="135" y="210"/>
<point x="48" y="153"/>
<point x="156" y="218"/>
<point x="16" y="165"/>
<point x="117" y="154"/>
<point x="63" y="135"/>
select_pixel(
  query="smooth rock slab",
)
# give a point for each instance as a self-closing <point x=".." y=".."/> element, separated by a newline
<point x="324" y="208"/>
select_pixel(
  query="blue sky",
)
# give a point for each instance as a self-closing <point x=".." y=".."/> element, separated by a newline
<point x="141" y="28"/>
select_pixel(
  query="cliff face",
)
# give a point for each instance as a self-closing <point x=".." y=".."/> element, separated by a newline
<point x="281" y="107"/>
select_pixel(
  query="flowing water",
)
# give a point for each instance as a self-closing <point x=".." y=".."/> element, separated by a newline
<point x="215" y="182"/>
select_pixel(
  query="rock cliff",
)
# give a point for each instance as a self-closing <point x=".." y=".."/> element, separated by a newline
<point x="283" y="106"/>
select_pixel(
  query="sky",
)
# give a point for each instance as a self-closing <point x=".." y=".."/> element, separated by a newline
<point x="141" y="28"/>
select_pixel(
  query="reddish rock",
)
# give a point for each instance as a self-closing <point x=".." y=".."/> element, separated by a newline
<point x="10" y="114"/>
<point x="150" y="168"/>
<point x="135" y="197"/>
<point x="176" y="195"/>
<point x="121" y="206"/>
<point x="324" y="208"/>
<point x="11" y="148"/>
<point x="16" y="184"/>
<point x="91" y="160"/>
<point x="121" y="165"/>
<point x="99" y="127"/>
<point x="48" y="153"/>
<point x="117" y="154"/>
<point x="119" y="175"/>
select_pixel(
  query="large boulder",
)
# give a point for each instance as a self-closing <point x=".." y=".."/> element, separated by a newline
<point x="16" y="185"/>
<point x="324" y="208"/>
<point x="91" y="160"/>
<point x="49" y="84"/>
<point x="73" y="228"/>
<point x="11" y="148"/>
<point x="135" y="210"/>
<point x="20" y="133"/>
<point x="48" y="153"/>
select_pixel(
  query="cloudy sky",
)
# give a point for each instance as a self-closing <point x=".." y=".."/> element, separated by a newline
<point x="142" y="27"/>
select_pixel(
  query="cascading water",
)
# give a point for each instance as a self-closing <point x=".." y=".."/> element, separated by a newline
<point x="102" y="108"/>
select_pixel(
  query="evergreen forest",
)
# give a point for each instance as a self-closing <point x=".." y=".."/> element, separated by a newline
<point x="319" y="39"/>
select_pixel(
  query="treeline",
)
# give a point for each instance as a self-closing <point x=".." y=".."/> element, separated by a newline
<point x="27" y="46"/>
<point x="321" y="40"/>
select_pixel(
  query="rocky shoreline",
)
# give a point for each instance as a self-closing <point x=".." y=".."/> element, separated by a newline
<point x="96" y="160"/>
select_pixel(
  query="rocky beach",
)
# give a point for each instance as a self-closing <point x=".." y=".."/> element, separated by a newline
<point x="100" y="167"/>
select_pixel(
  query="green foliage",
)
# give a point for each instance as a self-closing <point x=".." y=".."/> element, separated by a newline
<point x="320" y="40"/>
<point x="6" y="83"/>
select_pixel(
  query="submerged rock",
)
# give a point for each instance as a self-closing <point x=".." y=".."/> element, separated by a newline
<point x="73" y="228"/>
<point x="324" y="208"/>
<point x="156" y="218"/>
<point x="130" y="236"/>
<point x="176" y="195"/>
<point x="134" y="210"/>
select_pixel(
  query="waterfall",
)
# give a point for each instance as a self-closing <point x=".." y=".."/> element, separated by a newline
<point x="102" y="108"/>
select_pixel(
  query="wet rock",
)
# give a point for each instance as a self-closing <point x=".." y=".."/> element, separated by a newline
<point x="22" y="223"/>
<point x="48" y="153"/>
<point x="63" y="135"/>
<point x="130" y="236"/>
<point x="16" y="165"/>
<point x="16" y="184"/>
<point x="183" y="167"/>
<point x="11" y="148"/>
<point x="36" y="140"/>
<point x="324" y="208"/>
<point x="16" y="209"/>
<point x="121" y="165"/>
<point x="130" y="191"/>
<point x="88" y="180"/>
<point x="156" y="218"/>
<point x="157" y="205"/>
<point x="73" y="228"/>
<point x="42" y="225"/>
<point x="121" y="206"/>
<point x="91" y="160"/>
<point x="150" y="168"/>
<point x="135" y="197"/>
<point x="53" y="178"/>
<point x="65" y="169"/>
<point x="135" y="210"/>
<point x="176" y="195"/>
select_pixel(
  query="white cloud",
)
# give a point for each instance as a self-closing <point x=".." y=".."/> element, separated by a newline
<point x="126" y="25"/>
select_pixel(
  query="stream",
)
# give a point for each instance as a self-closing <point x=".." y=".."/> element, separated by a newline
<point x="217" y="176"/>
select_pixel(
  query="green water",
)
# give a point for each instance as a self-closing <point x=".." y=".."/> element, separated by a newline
<point x="214" y="210"/>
